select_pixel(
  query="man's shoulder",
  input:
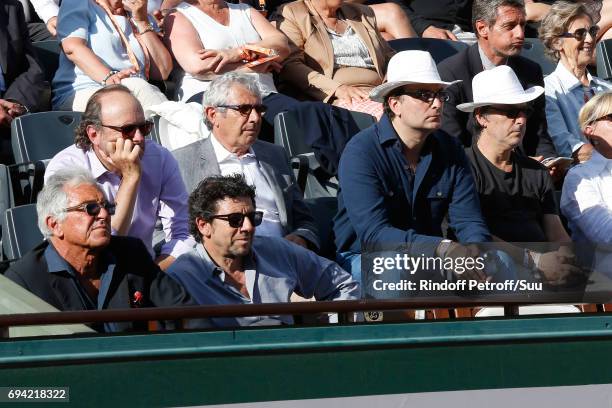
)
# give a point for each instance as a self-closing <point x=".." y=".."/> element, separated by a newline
<point x="127" y="248"/>
<point x="29" y="267"/>
<point x="456" y="66"/>
<point x="524" y="67"/>
<point x="188" y="263"/>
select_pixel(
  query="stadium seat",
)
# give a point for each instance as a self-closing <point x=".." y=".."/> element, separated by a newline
<point x="48" y="53"/>
<point x="438" y="48"/>
<point x="155" y="134"/>
<point x="325" y="209"/>
<point x="603" y="52"/>
<point x="20" y="231"/>
<point x="533" y="49"/>
<point x="39" y="136"/>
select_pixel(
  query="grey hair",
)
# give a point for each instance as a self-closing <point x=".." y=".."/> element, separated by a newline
<point x="219" y="90"/>
<point x="53" y="198"/>
<point x="487" y="10"/>
<point x="561" y="15"/>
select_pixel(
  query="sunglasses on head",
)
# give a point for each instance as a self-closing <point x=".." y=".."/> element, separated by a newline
<point x="580" y="33"/>
<point x="128" y="131"/>
<point x="427" y="96"/>
<point x="236" y="220"/>
<point x="93" y="208"/>
<point x="245" y="109"/>
<point x="512" y="112"/>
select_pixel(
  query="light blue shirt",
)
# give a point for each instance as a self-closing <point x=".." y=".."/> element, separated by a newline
<point x="564" y="98"/>
<point x="84" y="19"/>
<point x="275" y="269"/>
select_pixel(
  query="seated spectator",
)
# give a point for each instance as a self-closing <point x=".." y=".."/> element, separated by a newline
<point x="108" y="42"/>
<point x="586" y="201"/>
<point x="499" y="27"/>
<point x="139" y="176"/>
<point x="569" y="34"/>
<point x="80" y="266"/>
<point x="400" y="177"/>
<point x="232" y="112"/>
<point x="232" y="265"/>
<point x="517" y="196"/>
<point x="22" y="85"/>
<point x="357" y="61"/>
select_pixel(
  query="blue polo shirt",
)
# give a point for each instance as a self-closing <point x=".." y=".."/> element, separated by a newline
<point x="382" y="204"/>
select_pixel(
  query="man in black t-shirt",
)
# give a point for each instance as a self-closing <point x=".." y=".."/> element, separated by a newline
<point x="516" y="192"/>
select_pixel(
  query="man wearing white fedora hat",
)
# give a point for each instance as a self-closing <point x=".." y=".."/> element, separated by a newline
<point x="401" y="176"/>
<point x="500" y="29"/>
<point x="516" y="192"/>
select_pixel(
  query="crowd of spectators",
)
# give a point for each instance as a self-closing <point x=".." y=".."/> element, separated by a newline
<point x="460" y="153"/>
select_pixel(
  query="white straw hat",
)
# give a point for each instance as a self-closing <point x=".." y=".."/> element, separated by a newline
<point x="408" y="67"/>
<point x="499" y="86"/>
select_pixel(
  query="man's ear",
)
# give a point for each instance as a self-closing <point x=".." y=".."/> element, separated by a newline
<point x="204" y="227"/>
<point x="211" y="114"/>
<point x="482" y="29"/>
<point x="55" y="227"/>
<point x="93" y="135"/>
<point x="394" y="105"/>
<point x="480" y="118"/>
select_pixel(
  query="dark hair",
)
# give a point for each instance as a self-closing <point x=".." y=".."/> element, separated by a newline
<point x="203" y="200"/>
<point x="93" y="113"/>
<point x="488" y="10"/>
<point x="392" y="94"/>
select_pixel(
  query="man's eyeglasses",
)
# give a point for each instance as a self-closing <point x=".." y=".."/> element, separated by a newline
<point x="236" y="220"/>
<point x="128" y="131"/>
<point x="246" y="108"/>
<point x="93" y="208"/>
<point x="428" y="96"/>
<point x="580" y="33"/>
<point x="512" y="112"/>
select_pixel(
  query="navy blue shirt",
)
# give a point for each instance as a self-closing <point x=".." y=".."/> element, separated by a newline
<point x="379" y="204"/>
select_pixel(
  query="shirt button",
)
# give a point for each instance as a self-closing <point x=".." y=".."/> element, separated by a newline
<point x="439" y="194"/>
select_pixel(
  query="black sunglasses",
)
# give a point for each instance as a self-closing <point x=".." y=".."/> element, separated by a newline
<point x="128" y="131"/>
<point x="246" y="108"/>
<point x="427" y="96"/>
<point x="93" y="208"/>
<point x="580" y="33"/>
<point x="236" y="220"/>
<point x="512" y="113"/>
<point x="605" y="117"/>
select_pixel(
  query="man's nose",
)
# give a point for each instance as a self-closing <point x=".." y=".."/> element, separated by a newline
<point x="247" y="225"/>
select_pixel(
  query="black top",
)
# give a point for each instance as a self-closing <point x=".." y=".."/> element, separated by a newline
<point x="513" y="203"/>
<point x="440" y="13"/>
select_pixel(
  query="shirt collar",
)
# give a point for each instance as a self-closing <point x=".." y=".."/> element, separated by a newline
<point x="248" y="262"/>
<point x="568" y="79"/>
<point x="223" y="154"/>
<point x="97" y="168"/>
<point x="598" y="162"/>
<point x="55" y="262"/>
<point x="486" y="62"/>
<point x="387" y="132"/>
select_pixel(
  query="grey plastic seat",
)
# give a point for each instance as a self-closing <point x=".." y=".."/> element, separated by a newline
<point x="40" y="136"/>
<point x="438" y="48"/>
<point x="324" y="209"/>
<point x="533" y="49"/>
<point x="20" y="231"/>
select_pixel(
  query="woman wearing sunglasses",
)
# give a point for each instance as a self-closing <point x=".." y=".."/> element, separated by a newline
<point x="569" y="35"/>
<point x="586" y="200"/>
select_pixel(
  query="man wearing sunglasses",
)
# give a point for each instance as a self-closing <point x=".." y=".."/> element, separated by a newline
<point x="80" y="266"/>
<point x="231" y="265"/>
<point x="138" y="175"/>
<point x="499" y="26"/>
<point x="516" y="192"/>
<point x="233" y="113"/>
<point x="400" y="177"/>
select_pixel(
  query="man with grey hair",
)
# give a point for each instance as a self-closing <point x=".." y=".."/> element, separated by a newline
<point x="233" y="113"/>
<point x="500" y="29"/>
<point x="80" y="266"/>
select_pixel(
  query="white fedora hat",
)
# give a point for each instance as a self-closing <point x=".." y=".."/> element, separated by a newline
<point x="408" y="67"/>
<point x="499" y="86"/>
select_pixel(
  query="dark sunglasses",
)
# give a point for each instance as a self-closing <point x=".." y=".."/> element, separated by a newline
<point x="236" y="220"/>
<point x="246" y="109"/>
<point x="128" y="131"/>
<point x="511" y="113"/>
<point x="580" y="33"/>
<point x="607" y="117"/>
<point x="428" y="96"/>
<point x="93" y="208"/>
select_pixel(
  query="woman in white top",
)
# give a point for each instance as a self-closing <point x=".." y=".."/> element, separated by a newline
<point x="206" y="39"/>
<point x="569" y="35"/>
<point x="586" y="201"/>
<point x="108" y="42"/>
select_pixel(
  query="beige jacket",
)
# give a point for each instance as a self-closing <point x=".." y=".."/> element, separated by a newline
<point x="310" y="66"/>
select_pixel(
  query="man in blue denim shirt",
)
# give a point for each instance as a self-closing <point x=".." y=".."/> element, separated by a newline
<point x="400" y="177"/>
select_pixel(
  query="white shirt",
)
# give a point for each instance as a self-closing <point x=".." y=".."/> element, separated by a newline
<point x="564" y="99"/>
<point x="47" y="9"/>
<point x="248" y="165"/>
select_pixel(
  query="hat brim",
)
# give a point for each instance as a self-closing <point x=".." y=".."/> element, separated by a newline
<point x="378" y="94"/>
<point x="527" y="96"/>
